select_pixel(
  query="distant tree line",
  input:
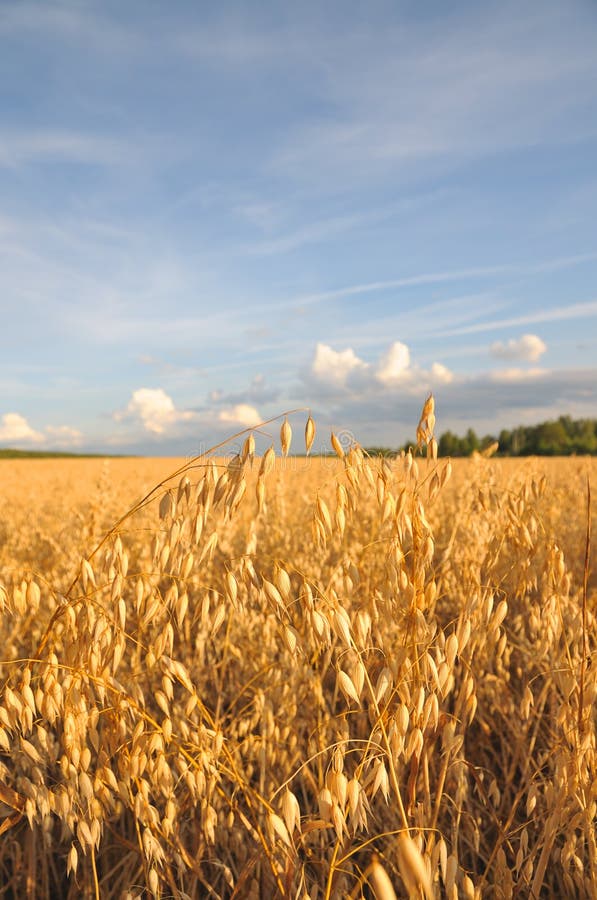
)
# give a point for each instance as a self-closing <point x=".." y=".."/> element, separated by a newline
<point x="561" y="437"/>
<point x="12" y="453"/>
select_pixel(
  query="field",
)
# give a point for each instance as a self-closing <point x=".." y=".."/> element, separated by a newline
<point x="297" y="677"/>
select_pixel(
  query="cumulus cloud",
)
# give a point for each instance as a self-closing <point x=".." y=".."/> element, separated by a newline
<point x="241" y="414"/>
<point x="441" y="374"/>
<point x="396" y="368"/>
<point x="152" y="413"/>
<point x="528" y="348"/>
<point x="335" y="365"/>
<point x="64" y="436"/>
<point x="155" y="409"/>
<point x="15" y="428"/>
<point x="394" y="365"/>
<point x="344" y="369"/>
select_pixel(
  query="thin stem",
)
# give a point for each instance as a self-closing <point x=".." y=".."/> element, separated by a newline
<point x="585" y="587"/>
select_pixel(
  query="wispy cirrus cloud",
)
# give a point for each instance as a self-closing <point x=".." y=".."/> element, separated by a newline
<point x="34" y="146"/>
<point x="69" y="24"/>
<point x="553" y="314"/>
<point x="469" y="94"/>
<point x="381" y="180"/>
<point x="312" y="233"/>
<point x="421" y="279"/>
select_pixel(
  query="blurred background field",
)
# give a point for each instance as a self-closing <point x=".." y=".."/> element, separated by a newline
<point x="57" y="506"/>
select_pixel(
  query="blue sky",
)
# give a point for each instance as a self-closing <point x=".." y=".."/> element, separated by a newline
<point x="212" y="213"/>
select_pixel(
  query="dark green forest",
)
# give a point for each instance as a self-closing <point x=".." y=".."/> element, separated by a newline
<point x="560" y="437"/>
<point x="11" y="453"/>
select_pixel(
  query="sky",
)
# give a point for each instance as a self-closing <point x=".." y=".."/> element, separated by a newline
<point x="211" y="214"/>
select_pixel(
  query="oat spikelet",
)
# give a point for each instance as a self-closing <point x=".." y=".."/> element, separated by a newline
<point x="490" y="450"/>
<point x="380" y="881"/>
<point x="426" y="422"/>
<point x="412" y="868"/>
<point x="309" y="434"/>
<point x="285" y="436"/>
<point x="347" y="687"/>
<point x="248" y="451"/>
<point x="211" y="658"/>
<point x="267" y="461"/>
<point x="338" y="449"/>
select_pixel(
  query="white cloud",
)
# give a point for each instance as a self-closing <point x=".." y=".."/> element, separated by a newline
<point x="312" y="233"/>
<point x="441" y="374"/>
<point x="16" y="428"/>
<point x="444" y="277"/>
<point x="394" y="365"/>
<point x="529" y="348"/>
<point x="19" y="148"/>
<point x="155" y="409"/>
<point x="335" y="366"/>
<point x="64" y="435"/>
<point x="242" y="413"/>
<point x="555" y="314"/>
<point x="517" y="374"/>
<point x="342" y="370"/>
<point x="450" y="113"/>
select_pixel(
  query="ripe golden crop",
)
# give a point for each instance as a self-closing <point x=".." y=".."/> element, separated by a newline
<point x="297" y="676"/>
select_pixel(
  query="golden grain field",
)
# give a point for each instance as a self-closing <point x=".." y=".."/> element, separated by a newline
<point x="296" y="677"/>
